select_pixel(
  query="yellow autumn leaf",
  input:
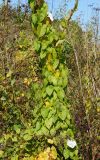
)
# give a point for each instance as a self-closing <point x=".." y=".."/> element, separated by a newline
<point x="47" y="104"/>
<point x="47" y="154"/>
<point x="48" y="150"/>
<point x="22" y="94"/>
<point x="57" y="74"/>
<point x="49" y="57"/>
<point x="43" y="156"/>
<point x="50" y="141"/>
<point x="25" y="80"/>
<point x="28" y="83"/>
<point x="53" y="153"/>
<point x="50" y="68"/>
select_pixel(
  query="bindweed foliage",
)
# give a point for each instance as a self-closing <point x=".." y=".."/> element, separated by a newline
<point x="52" y="119"/>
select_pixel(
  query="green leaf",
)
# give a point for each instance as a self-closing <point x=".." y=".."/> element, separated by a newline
<point x="60" y="81"/>
<point x="55" y="64"/>
<point x="70" y="133"/>
<point x="14" y="139"/>
<point x="14" y="157"/>
<point x="44" y="45"/>
<point x="49" y="90"/>
<point x="64" y="72"/>
<point x="67" y="122"/>
<point x="68" y="116"/>
<point x="49" y="122"/>
<point x="45" y="131"/>
<point x="55" y="118"/>
<point x="66" y="153"/>
<point x="61" y="93"/>
<point x="43" y="55"/>
<point x="43" y="93"/>
<point x="46" y="73"/>
<point x="42" y="131"/>
<point x="17" y="128"/>
<point x="35" y="112"/>
<point x="62" y="114"/>
<point x="63" y="133"/>
<point x="43" y="12"/>
<point x="38" y="126"/>
<point x="53" y="79"/>
<point x="35" y="86"/>
<point x="57" y="88"/>
<point x="42" y="16"/>
<point x="31" y="4"/>
<point x="34" y="18"/>
<point x="52" y="113"/>
<point x="27" y="137"/>
<point x="53" y="131"/>
<point x="44" y="112"/>
<point x="55" y="95"/>
<point x="42" y="30"/>
<point x="76" y="152"/>
<point x="50" y="38"/>
<point x="28" y="134"/>
<point x="58" y="125"/>
<point x="71" y="155"/>
<point x="65" y="82"/>
<point x="45" y="82"/>
<point x="36" y="45"/>
<point x="64" y="125"/>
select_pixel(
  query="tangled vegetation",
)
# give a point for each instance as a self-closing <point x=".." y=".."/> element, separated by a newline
<point x="49" y="84"/>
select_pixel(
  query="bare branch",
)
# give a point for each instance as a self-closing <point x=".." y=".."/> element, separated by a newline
<point x="72" y="11"/>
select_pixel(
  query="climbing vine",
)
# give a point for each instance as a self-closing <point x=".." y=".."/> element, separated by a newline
<point x="52" y="125"/>
<point x="44" y="72"/>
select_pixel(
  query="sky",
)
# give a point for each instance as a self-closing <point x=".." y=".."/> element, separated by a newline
<point x="83" y="8"/>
